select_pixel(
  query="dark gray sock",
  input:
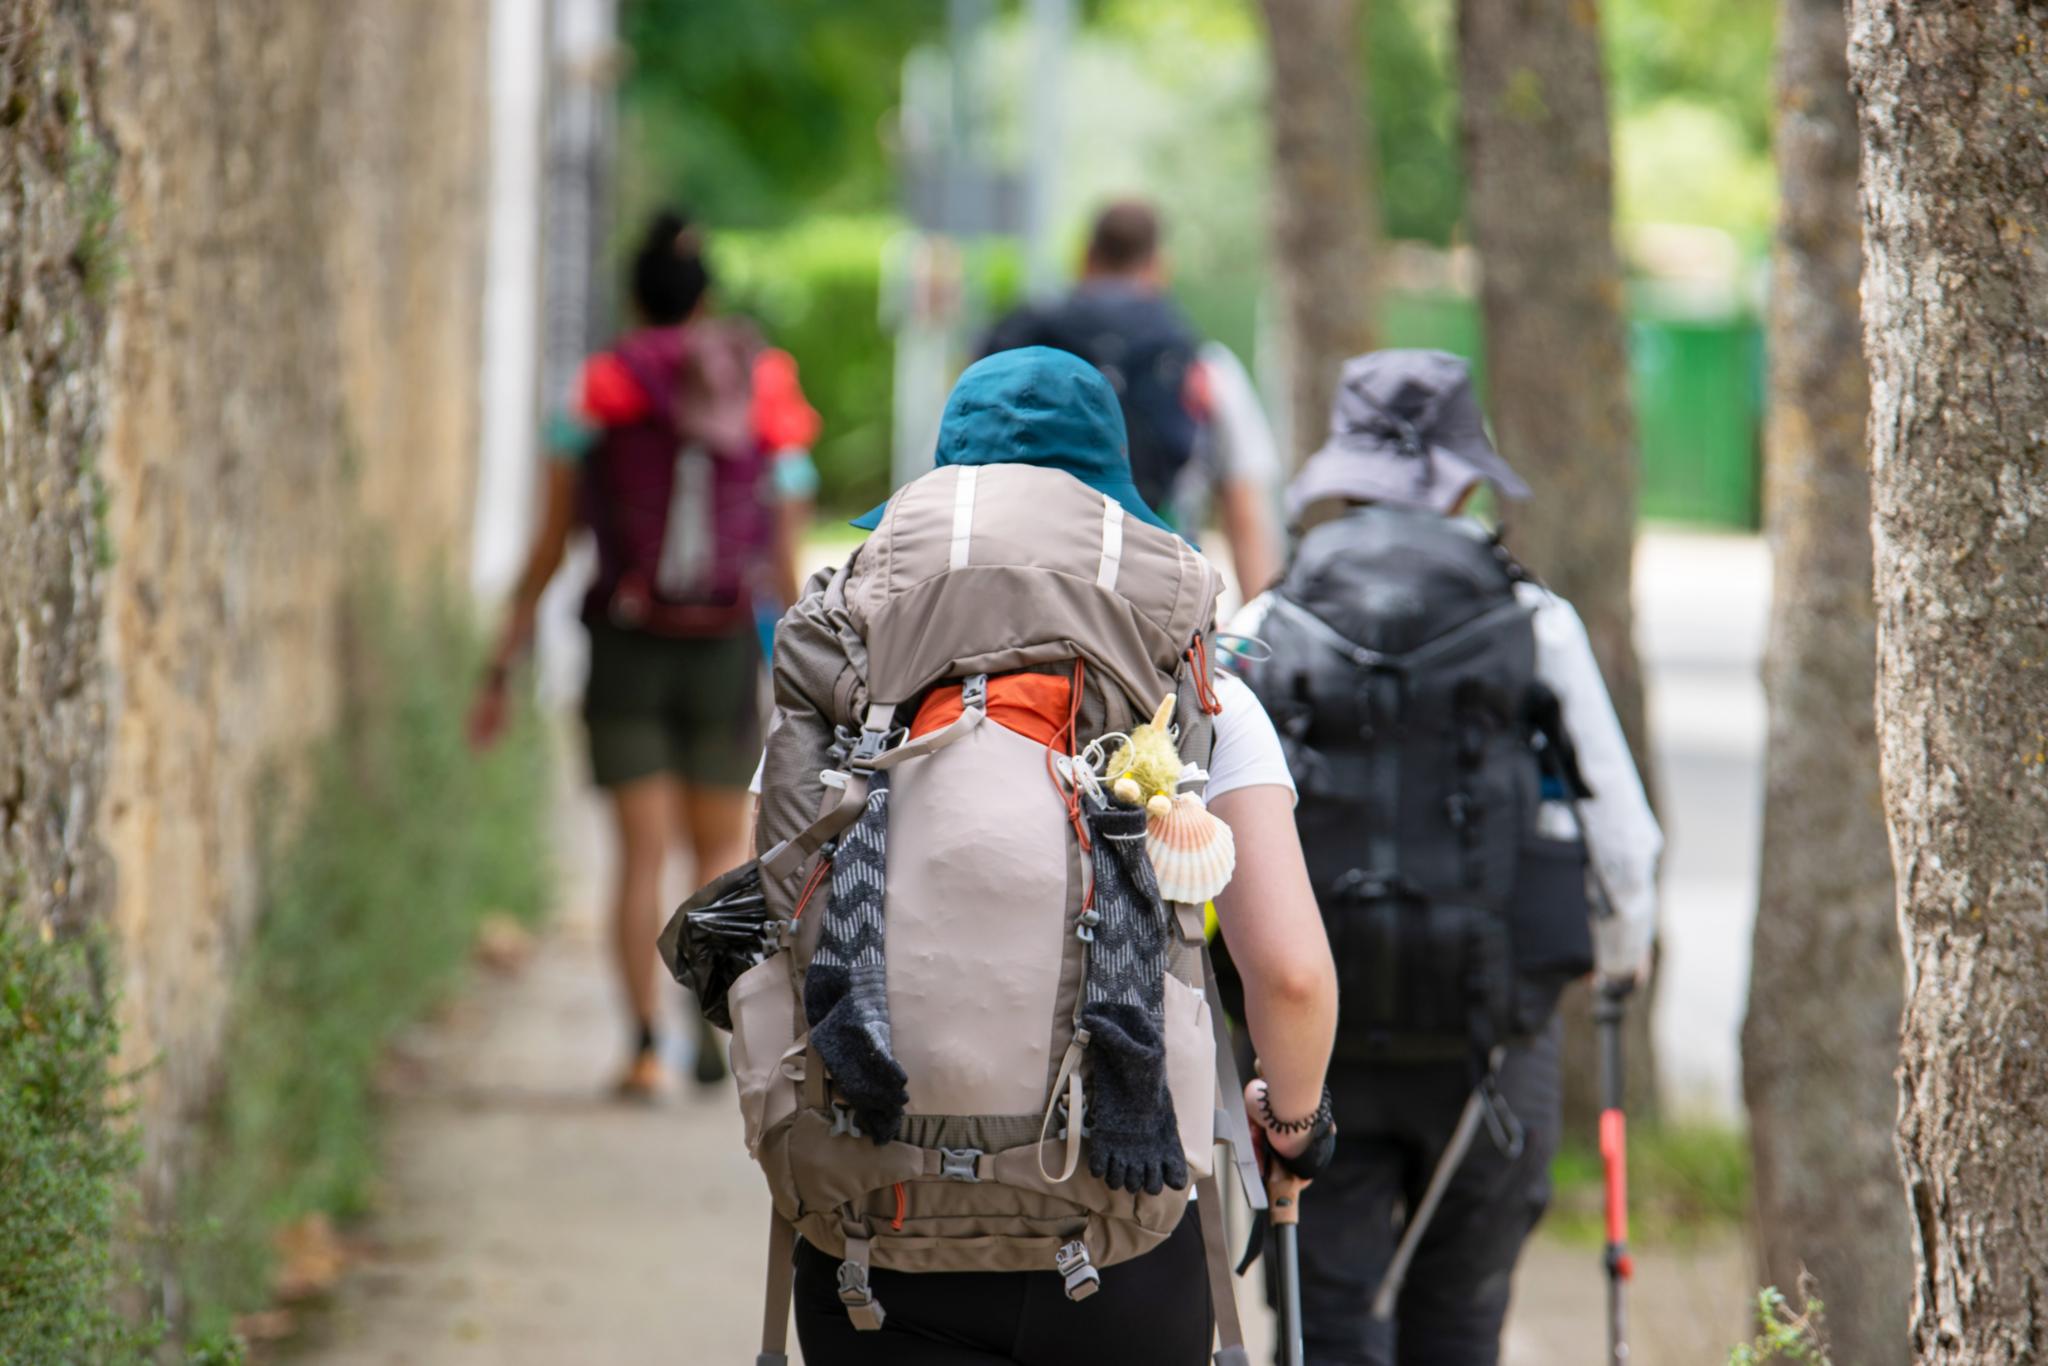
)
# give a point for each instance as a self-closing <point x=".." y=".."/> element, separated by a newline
<point x="1133" y="1137"/>
<point x="846" y="999"/>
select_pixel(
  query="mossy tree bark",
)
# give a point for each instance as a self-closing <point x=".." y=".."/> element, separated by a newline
<point x="1540" y="198"/>
<point x="1325" y="221"/>
<point x="1955" y="315"/>
<point x="1821" y="1041"/>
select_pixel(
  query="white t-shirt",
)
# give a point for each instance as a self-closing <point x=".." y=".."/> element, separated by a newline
<point x="1247" y="751"/>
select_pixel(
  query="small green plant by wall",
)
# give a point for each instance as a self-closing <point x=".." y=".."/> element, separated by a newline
<point x="66" y="1154"/>
<point x="373" y="898"/>
<point x="1785" y="1334"/>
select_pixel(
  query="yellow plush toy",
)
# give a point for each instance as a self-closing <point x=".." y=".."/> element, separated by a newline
<point x="1146" y="769"/>
<point x="1193" y="854"/>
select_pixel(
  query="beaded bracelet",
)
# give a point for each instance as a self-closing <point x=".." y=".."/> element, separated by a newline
<point x="1292" y="1126"/>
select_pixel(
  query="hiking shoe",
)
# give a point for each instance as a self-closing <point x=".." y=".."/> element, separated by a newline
<point x="645" y="1079"/>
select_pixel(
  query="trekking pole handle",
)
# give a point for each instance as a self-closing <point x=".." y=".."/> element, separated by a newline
<point x="1283" y="1195"/>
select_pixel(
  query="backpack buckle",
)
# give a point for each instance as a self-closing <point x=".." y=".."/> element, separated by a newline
<point x="844" y="1124"/>
<point x="1076" y="1271"/>
<point x="960" y="1164"/>
<point x="878" y="732"/>
<point x="974" y="693"/>
<point x="859" y="1297"/>
<point x="871" y="745"/>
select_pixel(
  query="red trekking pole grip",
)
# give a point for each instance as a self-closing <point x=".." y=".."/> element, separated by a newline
<point x="1614" y="1155"/>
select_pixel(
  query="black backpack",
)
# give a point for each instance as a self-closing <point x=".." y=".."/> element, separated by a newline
<point x="1402" y="680"/>
<point x="1144" y="349"/>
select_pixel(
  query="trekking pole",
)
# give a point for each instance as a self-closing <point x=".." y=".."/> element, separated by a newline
<point x="1607" y="1015"/>
<point x="1284" y="1193"/>
<point x="1470" y="1118"/>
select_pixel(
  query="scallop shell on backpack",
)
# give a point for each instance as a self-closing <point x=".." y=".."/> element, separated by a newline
<point x="1192" y="851"/>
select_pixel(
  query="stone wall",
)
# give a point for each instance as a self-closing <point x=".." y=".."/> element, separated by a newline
<point x="55" y="271"/>
<point x="281" y="403"/>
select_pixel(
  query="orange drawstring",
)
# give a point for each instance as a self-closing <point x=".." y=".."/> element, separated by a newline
<point x="902" y="1207"/>
<point x="810" y="887"/>
<point x="1064" y="740"/>
<point x="1205" y="692"/>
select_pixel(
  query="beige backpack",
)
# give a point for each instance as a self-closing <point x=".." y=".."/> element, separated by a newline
<point x="936" y="664"/>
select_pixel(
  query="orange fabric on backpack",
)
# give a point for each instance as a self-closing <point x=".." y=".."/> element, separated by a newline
<point x="1035" y="706"/>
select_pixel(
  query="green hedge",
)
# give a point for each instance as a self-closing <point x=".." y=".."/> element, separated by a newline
<point x="372" y="905"/>
<point x="816" y="290"/>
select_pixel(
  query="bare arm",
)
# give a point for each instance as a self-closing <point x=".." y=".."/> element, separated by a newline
<point x="550" y="543"/>
<point x="792" y="523"/>
<point x="1247" y="525"/>
<point x="1269" y="919"/>
<point x="489" y="711"/>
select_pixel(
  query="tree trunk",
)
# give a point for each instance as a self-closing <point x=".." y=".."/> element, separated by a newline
<point x="1821" y="1040"/>
<point x="1325" y="221"/>
<point x="1955" y="317"/>
<point x="1540" y="197"/>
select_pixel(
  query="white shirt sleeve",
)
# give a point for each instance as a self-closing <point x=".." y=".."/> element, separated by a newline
<point x="1621" y="833"/>
<point x="1247" y="751"/>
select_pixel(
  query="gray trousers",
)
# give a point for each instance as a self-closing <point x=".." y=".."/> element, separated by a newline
<point x="1393" y="1122"/>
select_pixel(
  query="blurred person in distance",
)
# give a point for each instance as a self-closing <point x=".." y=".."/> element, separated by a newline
<point x="686" y="457"/>
<point x="1197" y="433"/>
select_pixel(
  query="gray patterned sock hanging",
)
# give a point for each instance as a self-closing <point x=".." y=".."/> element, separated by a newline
<point x="1134" y="1140"/>
<point x="846" y="999"/>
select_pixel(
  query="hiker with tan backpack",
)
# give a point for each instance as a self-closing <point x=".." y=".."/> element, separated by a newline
<point x="973" y="1036"/>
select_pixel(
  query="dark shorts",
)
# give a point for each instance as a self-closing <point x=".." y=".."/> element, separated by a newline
<point x="685" y="707"/>
<point x="1151" y="1311"/>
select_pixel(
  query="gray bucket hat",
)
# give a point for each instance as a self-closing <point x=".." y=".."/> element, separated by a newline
<point x="1405" y="429"/>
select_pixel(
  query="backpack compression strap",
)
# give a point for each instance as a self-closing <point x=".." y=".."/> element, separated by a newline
<point x="781" y="1285"/>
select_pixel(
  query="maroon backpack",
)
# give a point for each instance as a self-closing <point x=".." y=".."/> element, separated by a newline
<point x="679" y="498"/>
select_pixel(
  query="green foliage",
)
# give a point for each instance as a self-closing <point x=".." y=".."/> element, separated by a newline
<point x="1411" y="89"/>
<point x="1682" y="160"/>
<point x="1682" y="1179"/>
<point x="406" y="841"/>
<point x="1715" y="53"/>
<point x="816" y="291"/>
<point x="65" y="1154"/>
<point x="1785" y="1334"/>
<point x="821" y="290"/>
<point x="755" y="113"/>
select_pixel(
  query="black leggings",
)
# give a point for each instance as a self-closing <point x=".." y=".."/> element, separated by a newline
<point x="1395" y="1122"/>
<point x="1151" y="1311"/>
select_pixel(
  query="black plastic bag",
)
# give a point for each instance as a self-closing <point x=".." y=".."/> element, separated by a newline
<point x="724" y="929"/>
